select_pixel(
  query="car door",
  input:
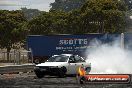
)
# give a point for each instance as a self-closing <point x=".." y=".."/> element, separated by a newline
<point x="79" y="61"/>
<point x="71" y="65"/>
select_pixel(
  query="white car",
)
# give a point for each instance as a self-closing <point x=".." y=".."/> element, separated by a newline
<point x="61" y="65"/>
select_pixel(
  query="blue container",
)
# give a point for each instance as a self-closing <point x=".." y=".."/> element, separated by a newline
<point x="48" y="45"/>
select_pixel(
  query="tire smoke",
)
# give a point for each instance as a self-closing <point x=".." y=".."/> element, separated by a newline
<point x="109" y="58"/>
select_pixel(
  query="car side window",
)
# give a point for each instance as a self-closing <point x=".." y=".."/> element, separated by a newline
<point x="72" y="59"/>
<point x="78" y="59"/>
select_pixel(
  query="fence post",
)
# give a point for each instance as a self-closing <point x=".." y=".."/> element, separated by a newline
<point x="18" y="57"/>
<point x="122" y="40"/>
<point x="14" y="57"/>
<point x="19" y="53"/>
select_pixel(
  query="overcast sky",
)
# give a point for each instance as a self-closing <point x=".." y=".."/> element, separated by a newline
<point x="43" y="5"/>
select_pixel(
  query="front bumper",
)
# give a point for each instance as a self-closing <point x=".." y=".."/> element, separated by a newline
<point x="48" y="70"/>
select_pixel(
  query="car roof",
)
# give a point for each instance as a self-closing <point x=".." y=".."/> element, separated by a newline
<point x="64" y="55"/>
<point x="67" y="54"/>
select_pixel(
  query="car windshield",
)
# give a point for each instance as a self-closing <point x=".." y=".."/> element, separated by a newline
<point x="61" y="58"/>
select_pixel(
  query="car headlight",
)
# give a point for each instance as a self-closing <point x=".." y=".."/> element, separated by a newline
<point x="36" y="67"/>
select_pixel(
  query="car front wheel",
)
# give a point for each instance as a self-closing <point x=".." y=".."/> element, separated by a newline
<point x="39" y="73"/>
<point x="62" y="72"/>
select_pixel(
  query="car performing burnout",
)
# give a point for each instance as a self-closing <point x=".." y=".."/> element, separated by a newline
<point x="61" y="65"/>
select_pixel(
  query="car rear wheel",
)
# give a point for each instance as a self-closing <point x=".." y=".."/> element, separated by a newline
<point x="82" y="80"/>
<point x="88" y="69"/>
<point x="36" y="61"/>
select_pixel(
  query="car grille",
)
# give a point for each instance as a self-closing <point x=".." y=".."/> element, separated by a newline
<point x="48" y="68"/>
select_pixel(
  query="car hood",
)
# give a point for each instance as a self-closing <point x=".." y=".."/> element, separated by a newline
<point x="51" y="64"/>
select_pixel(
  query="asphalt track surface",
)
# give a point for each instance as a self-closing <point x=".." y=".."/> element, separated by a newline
<point x="29" y="80"/>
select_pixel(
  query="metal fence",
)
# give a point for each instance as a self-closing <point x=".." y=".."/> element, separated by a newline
<point x="15" y="57"/>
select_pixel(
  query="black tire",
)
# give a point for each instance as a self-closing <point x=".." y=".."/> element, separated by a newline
<point x="62" y="72"/>
<point x="82" y="80"/>
<point x="39" y="73"/>
<point x="36" y="61"/>
<point x="88" y="69"/>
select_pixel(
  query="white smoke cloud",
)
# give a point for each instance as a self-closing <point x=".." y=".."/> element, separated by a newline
<point x="110" y="58"/>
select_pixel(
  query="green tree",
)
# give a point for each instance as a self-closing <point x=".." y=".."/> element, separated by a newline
<point x="103" y="16"/>
<point x="95" y="16"/>
<point x="30" y="13"/>
<point x="67" y="5"/>
<point x="128" y="15"/>
<point x="74" y="23"/>
<point x="11" y="28"/>
<point x="48" y="23"/>
<point x="129" y="4"/>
